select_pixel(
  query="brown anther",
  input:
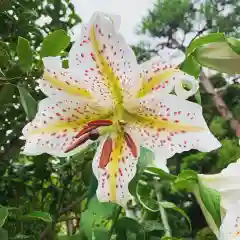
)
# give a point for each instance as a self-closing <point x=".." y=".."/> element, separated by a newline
<point x="94" y="135"/>
<point x="131" y="144"/>
<point x="100" y="123"/>
<point x="106" y="153"/>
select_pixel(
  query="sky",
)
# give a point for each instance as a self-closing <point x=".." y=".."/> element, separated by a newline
<point x="131" y="12"/>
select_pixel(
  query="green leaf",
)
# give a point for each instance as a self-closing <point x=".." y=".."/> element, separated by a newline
<point x="218" y="56"/>
<point x="171" y="205"/>
<point x="54" y="43"/>
<point x="127" y="224"/>
<point x="3" y="215"/>
<point x="186" y="180"/>
<point x="152" y="225"/>
<point x="210" y="38"/>
<point x="39" y="215"/>
<point x="211" y="200"/>
<point x="97" y="217"/>
<point x="198" y="97"/>
<point x="160" y="173"/>
<point x="6" y="94"/>
<point x="3" y="234"/>
<point x="4" y="54"/>
<point x="234" y="44"/>
<point x="28" y="102"/>
<point x="25" y="54"/>
<point x="146" y="157"/>
<point x="191" y="66"/>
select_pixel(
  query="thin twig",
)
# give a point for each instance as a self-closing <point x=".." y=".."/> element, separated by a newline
<point x="73" y="204"/>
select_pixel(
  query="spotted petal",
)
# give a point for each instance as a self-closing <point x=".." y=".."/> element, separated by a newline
<point x="230" y="228"/>
<point x="104" y="59"/>
<point x="162" y="77"/>
<point x="60" y="82"/>
<point x="113" y="179"/>
<point x="56" y="124"/>
<point x="168" y="124"/>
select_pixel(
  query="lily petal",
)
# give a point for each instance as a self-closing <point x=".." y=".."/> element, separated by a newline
<point x="61" y="82"/>
<point x="56" y="124"/>
<point x="226" y="182"/>
<point x="168" y="124"/>
<point x="105" y="59"/>
<point x="158" y="75"/>
<point x="230" y="228"/>
<point x="114" y="178"/>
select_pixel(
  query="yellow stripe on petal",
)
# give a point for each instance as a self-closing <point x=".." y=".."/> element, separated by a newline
<point x="61" y="124"/>
<point x="110" y="78"/>
<point x="148" y="86"/>
<point x="70" y="89"/>
<point x="158" y="123"/>
<point x="113" y="165"/>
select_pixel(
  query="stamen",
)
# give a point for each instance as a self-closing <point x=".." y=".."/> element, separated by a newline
<point x="94" y="135"/>
<point x="131" y="144"/>
<point x="85" y="130"/>
<point x="100" y="123"/>
<point x="106" y="153"/>
<point x="78" y="142"/>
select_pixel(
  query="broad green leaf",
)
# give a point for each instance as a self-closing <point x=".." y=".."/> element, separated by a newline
<point x="218" y="56"/>
<point x="97" y="217"/>
<point x="6" y="93"/>
<point x="234" y="43"/>
<point x="28" y="102"/>
<point x="171" y="205"/>
<point x="198" y="42"/>
<point x="186" y="180"/>
<point x="152" y="225"/>
<point x="146" y="157"/>
<point x="4" y="54"/>
<point x="25" y="54"/>
<point x="3" y="234"/>
<point x="160" y="173"/>
<point x="39" y="215"/>
<point x="3" y="215"/>
<point x="211" y="200"/>
<point x="21" y="237"/>
<point x="191" y="67"/>
<point x="127" y="224"/>
<point x="54" y="43"/>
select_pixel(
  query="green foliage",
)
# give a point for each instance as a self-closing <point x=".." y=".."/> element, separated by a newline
<point x="54" y="43"/>
<point x="28" y="102"/>
<point x="97" y="218"/>
<point x="25" y="54"/>
<point x="39" y="215"/>
<point x="3" y="215"/>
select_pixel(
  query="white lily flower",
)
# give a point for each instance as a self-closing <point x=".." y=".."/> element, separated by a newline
<point x="105" y="94"/>
<point x="227" y="183"/>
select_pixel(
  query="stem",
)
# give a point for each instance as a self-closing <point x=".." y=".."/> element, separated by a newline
<point x="164" y="217"/>
<point x="115" y="218"/>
